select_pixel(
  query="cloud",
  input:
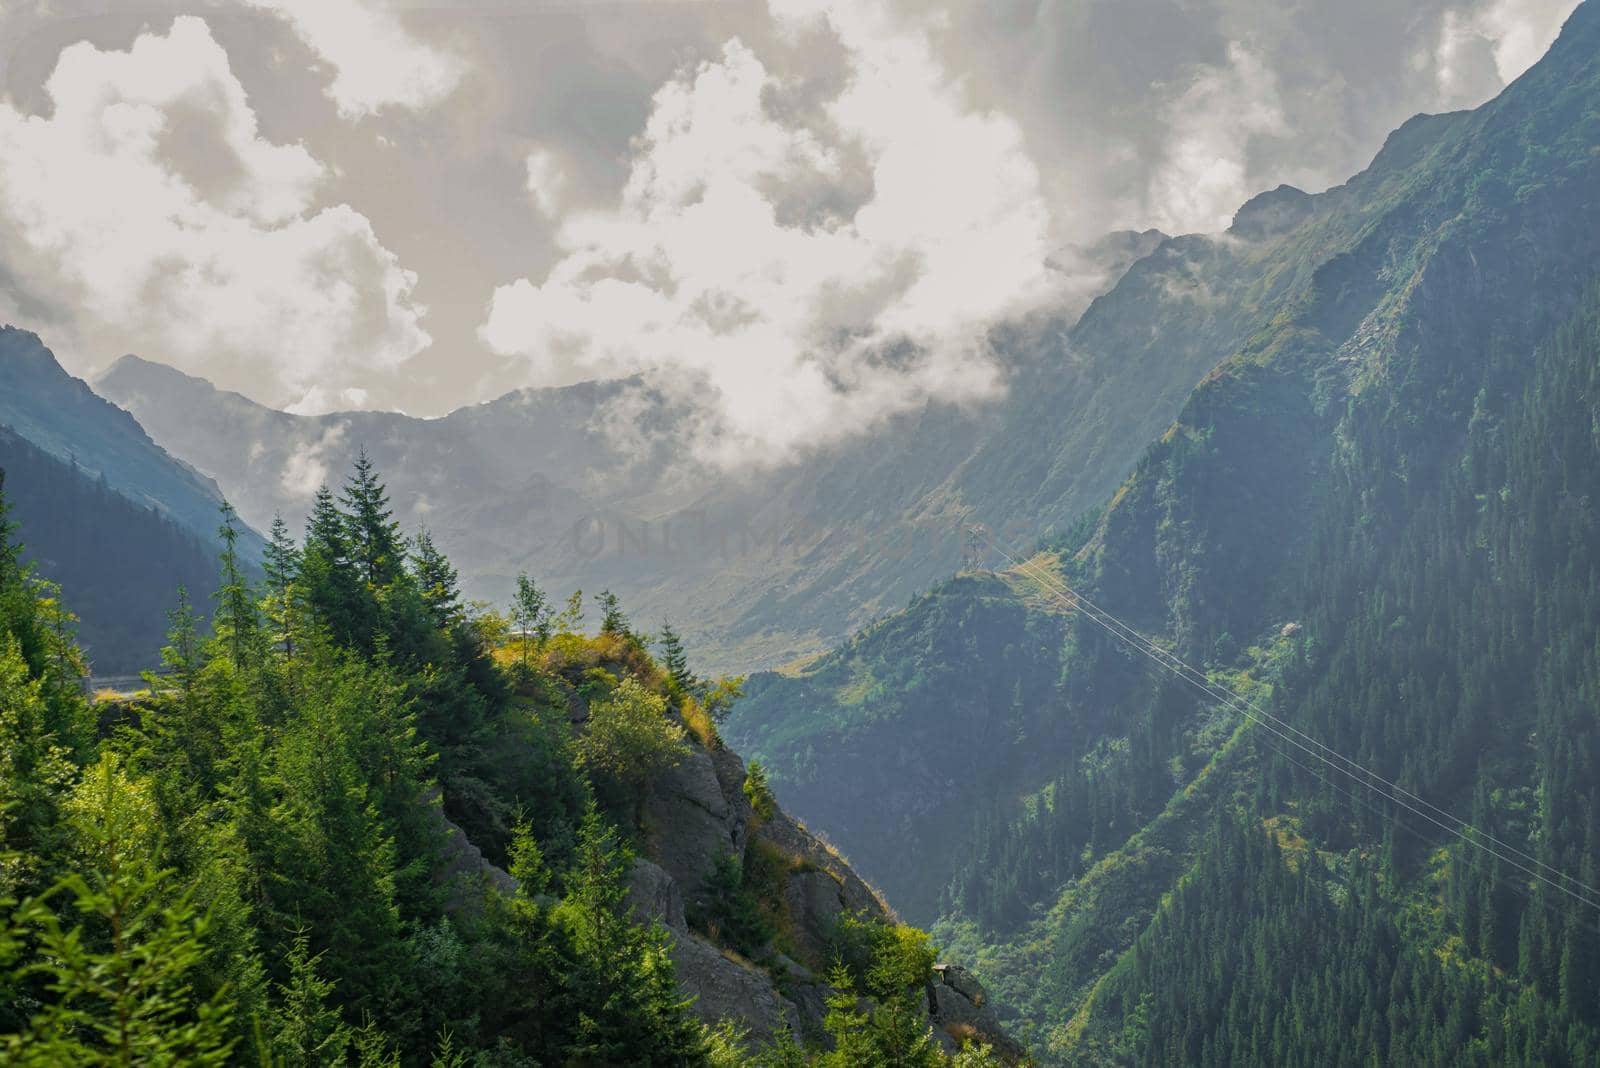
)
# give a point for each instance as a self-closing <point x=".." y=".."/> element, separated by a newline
<point x="307" y="468"/>
<point x="376" y="62"/>
<point x="1494" y="44"/>
<point x="797" y="259"/>
<point x="547" y="181"/>
<point x="1205" y="174"/>
<point x="149" y="199"/>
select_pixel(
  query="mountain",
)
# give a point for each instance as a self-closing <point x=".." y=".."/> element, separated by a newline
<point x="102" y="510"/>
<point x="1373" y="519"/>
<point x="119" y="563"/>
<point x="65" y="418"/>
<point x="757" y="566"/>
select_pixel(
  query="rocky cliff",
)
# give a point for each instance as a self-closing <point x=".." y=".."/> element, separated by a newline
<point x="698" y="816"/>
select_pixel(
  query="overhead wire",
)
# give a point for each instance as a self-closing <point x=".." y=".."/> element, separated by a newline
<point x="1312" y="747"/>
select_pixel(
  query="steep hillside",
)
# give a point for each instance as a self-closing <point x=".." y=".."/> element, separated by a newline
<point x="119" y="563"/>
<point x="1374" y="510"/>
<point x="61" y="415"/>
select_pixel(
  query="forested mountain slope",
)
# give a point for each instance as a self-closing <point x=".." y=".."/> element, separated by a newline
<point x="1376" y="516"/>
<point x="124" y="561"/>
<point x="61" y="415"/>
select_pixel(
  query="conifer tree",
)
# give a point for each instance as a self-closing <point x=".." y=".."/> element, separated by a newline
<point x="530" y="614"/>
<point x="676" y="660"/>
<point x="120" y="987"/>
<point x="237" y="623"/>
<point x="437" y="582"/>
<point x="307" y="1031"/>
<point x="612" y="620"/>
<point x="281" y="567"/>
<point x="372" y="533"/>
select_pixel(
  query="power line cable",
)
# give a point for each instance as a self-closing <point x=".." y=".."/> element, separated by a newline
<point x="1292" y="735"/>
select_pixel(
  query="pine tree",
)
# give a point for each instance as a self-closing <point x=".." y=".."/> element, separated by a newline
<point x="237" y="623"/>
<point x="612" y="621"/>
<point x="437" y="582"/>
<point x="530" y="614"/>
<point x="675" y="660"/>
<point x="372" y="533"/>
<point x="333" y="588"/>
<point x="633" y="1012"/>
<point x="307" y="1032"/>
<point x="281" y="567"/>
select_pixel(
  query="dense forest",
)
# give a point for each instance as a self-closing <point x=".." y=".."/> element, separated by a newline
<point x="247" y="862"/>
<point x="124" y="561"/>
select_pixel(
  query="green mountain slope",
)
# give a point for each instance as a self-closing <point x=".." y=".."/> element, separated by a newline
<point x="1377" y="507"/>
<point x="61" y="415"/>
<point x="119" y="563"/>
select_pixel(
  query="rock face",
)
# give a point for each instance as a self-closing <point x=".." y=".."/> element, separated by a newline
<point x="465" y="868"/>
<point x="698" y="812"/>
<point x="692" y="824"/>
<point x="959" y="1009"/>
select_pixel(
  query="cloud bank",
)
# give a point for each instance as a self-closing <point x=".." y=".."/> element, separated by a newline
<point x="376" y="62"/>
<point x="800" y="260"/>
<point x="148" y="200"/>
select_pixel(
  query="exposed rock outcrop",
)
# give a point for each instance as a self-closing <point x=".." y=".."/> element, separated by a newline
<point x="959" y="1009"/>
<point x="691" y="823"/>
<point x="698" y="812"/>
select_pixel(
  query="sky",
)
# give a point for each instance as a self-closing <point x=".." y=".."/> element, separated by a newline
<point x="792" y="217"/>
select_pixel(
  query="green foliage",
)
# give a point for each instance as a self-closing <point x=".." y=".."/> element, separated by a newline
<point x="531" y="616"/>
<point x="118" y="982"/>
<point x="307" y="1031"/>
<point x="675" y="660"/>
<point x="758" y="791"/>
<point x="255" y="856"/>
<point x="629" y="740"/>
<point x="719" y="697"/>
<point x="887" y="1034"/>
<point x="612" y="620"/>
<point x="732" y="912"/>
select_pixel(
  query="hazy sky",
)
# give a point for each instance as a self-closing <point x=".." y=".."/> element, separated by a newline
<point x="798" y="215"/>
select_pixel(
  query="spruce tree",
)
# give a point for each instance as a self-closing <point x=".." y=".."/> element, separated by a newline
<point x="280" y="565"/>
<point x="119" y="978"/>
<point x="612" y="621"/>
<point x="676" y="660"/>
<point x="373" y="535"/>
<point x="437" y="582"/>
<point x="237" y="624"/>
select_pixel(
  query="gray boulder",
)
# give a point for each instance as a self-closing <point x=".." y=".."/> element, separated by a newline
<point x="724" y="988"/>
<point x="654" y="895"/>
<point x="958" y="1008"/>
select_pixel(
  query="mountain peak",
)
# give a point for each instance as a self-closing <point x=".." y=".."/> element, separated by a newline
<point x="1273" y="212"/>
<point x="63" y="416"/>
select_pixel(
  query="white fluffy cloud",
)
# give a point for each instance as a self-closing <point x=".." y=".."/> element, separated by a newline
<point x="800" y="269"/>
<point x="1521" y="31"/>
<point x="1205" y="173"/>
<point x="149" y="199"/>
<point x="376" y="62"/>
<point x="547" y="181"/>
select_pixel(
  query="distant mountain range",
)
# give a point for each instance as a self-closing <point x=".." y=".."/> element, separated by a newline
<point x="754" y="567"/>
